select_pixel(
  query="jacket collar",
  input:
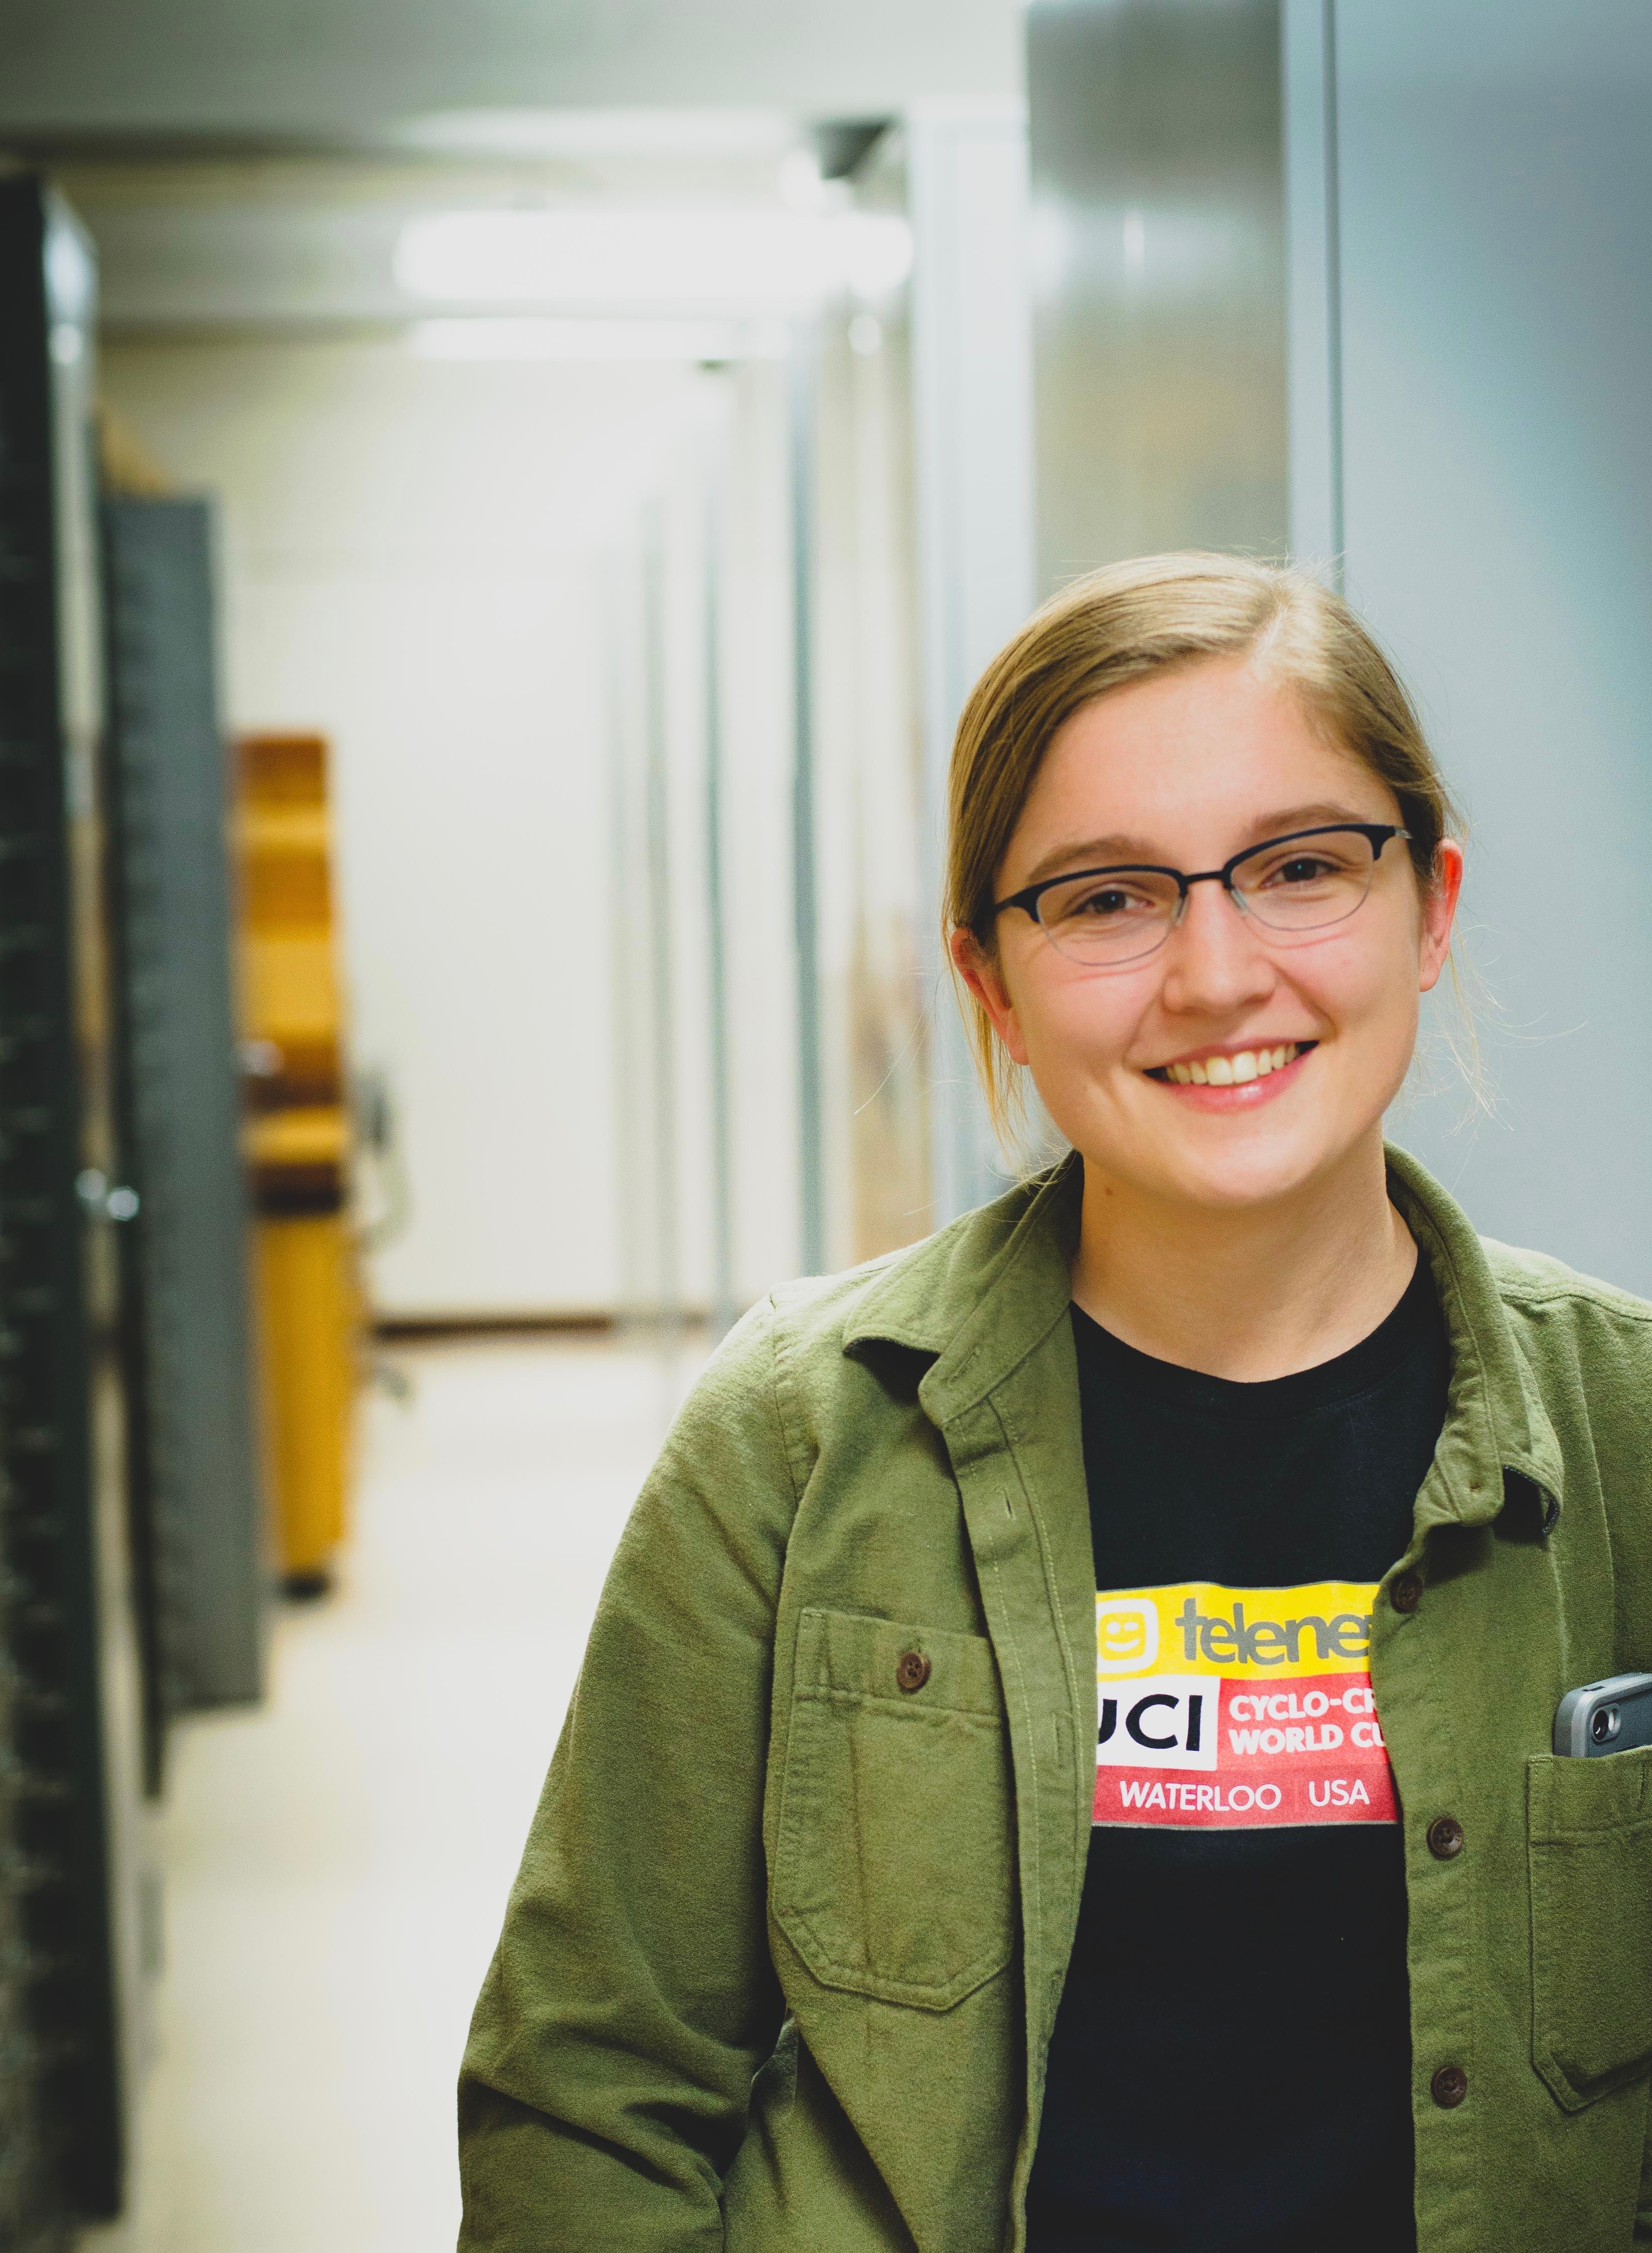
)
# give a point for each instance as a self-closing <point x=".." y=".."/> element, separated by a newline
<point x="1495" y="1421"/>
<point x="984" y="1292"/>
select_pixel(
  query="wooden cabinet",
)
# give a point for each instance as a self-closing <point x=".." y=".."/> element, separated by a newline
<point x="298" y="1142"/>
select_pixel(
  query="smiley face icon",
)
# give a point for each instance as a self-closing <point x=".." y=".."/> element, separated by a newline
<point x="1126" y="1635"/>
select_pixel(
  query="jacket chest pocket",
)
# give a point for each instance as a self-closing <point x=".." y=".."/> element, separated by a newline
<point x="1589" y="1844"/>
<point x="894" y="1870"/>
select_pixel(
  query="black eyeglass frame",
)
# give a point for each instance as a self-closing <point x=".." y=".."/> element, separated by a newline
<point x="1376" y="834"/>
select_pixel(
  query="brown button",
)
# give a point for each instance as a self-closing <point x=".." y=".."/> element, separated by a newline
<point x="911" y="1669"/>
<point x="1449" y="2086"/>
<point x="1407" y="1592"/>
<point x="1445" y="1837"/>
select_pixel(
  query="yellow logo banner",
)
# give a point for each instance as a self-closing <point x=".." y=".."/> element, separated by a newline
<point x="1235" y="1707"/>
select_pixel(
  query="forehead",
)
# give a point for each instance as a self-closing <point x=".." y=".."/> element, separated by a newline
<point x="1188" y="759"/>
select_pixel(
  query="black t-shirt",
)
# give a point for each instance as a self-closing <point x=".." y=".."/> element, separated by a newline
<point x="1231" y="2066"/>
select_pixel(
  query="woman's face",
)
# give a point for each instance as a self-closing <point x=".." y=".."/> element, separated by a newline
<point x="1186" y="770"/>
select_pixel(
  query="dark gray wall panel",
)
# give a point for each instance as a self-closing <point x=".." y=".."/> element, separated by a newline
<point x="199" y="1462"/>
<point x="1158" y="255"/>
<point x="66" y="1880"/>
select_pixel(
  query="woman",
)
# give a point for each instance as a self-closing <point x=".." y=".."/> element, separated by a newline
<point x="975" y="1826"/>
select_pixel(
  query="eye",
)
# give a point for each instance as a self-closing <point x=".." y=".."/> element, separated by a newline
<point x="1112" y="901"/>
<point x="1300" y="884"/>
<point x="1300" y="868"/>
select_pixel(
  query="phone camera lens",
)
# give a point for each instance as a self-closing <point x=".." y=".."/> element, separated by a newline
<point x="1604" y="1725"/>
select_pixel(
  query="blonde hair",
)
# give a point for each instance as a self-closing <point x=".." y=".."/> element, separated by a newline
<point x="1122" y="624"/>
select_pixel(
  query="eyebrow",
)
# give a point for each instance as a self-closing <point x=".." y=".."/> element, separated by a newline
<point x="1121" y="851"/>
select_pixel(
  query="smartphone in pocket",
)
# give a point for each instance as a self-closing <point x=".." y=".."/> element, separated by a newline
<point x="1613" y="1716"/>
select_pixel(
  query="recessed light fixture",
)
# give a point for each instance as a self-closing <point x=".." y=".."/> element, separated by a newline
<point x="704" y="259"/>
<point x="597" y="133"/>
<point x="480" y="338"/>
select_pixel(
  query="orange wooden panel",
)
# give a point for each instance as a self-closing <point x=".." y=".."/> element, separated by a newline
<point x="309" y="1328"/>
<point x="289" y="986"/>
<point x="279" y="769"/>
<point x="282" y="891"/>
<point x="306" y="1134"/>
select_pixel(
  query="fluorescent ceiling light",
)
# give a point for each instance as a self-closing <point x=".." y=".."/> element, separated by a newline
<point x="700" y="259"/>
<point x="483" y="339"/>
<point x="595" y="133"/>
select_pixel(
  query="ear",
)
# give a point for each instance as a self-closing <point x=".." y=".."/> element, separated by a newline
<point x="980" y="973"/>
<point x="1440" y="912"/>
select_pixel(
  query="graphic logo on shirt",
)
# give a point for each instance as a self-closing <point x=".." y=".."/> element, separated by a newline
<point x="1231" y="1708"/>
<point x="1126" y="1634"/>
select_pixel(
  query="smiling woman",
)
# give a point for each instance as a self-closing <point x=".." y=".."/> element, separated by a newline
<point x="1150" y="621"/>
<point x="1236" y="719"/>
<point x="1047" y="1664"/>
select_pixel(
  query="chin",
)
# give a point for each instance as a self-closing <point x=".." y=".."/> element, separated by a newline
<point x="1239" y="1181"/>
<point x="1226" y="1173"/>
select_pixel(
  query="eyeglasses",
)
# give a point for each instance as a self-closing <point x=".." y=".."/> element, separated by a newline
<point x="1304" y="882"/>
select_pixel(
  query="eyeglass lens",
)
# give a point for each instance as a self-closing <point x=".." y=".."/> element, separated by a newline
<point x="1304" y="883"/>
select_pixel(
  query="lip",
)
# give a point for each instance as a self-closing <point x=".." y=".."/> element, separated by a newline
<point x="1249" y="1096"/>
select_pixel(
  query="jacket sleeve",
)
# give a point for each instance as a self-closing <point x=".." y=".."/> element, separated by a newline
<point x="632" y="1998"/>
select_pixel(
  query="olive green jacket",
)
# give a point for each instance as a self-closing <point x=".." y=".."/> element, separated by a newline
<point x="780" y="1972"/>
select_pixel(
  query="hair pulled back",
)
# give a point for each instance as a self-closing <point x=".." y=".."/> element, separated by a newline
<point x="1122" y="624"/>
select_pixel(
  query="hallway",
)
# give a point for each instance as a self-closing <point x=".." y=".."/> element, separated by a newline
<point x="335" y="1865"/>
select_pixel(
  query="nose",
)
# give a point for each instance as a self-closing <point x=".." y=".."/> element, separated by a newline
<point x="1216" y="960"/>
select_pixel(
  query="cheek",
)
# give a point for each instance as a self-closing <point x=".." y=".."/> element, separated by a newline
<point x="1366" y="992"/>
<point x="1074" y="1022"/>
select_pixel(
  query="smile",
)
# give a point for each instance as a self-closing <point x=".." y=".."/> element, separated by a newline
<point x="1233" y="1070"/>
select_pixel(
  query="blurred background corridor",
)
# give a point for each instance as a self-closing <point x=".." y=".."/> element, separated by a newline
<point x="500" y="507"/>
<point x="335" y="1859"/>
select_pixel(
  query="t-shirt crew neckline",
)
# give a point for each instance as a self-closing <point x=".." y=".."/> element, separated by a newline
<point x="1406" y="1330"/>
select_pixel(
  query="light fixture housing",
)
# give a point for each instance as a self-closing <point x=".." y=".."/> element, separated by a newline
<point x="480" y="338"/>
<point x="703" y="261"/>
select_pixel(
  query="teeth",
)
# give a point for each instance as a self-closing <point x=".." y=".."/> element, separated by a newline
<point x="1233" y="1071"/>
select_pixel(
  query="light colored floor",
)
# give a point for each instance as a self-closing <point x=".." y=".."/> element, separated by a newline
<point x="335" y="1864"/>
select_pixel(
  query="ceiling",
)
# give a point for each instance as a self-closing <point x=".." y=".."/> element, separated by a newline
<point x="105" y="75"/>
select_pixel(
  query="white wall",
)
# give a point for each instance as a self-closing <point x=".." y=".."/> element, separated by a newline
<point x="734" y="460"/>
<point x="874" y="910"/>
<point x="444" y="565"/>
<point x="755" y="643"/>
<point x="411" y="565"/>
<point x="972" y="359"/>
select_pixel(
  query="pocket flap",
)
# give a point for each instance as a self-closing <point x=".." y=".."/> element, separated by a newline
<point x="894" y="1866"/>
<point x="846" y="1653"/>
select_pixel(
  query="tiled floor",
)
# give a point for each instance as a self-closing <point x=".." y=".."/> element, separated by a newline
<point x="335" y="1864"/>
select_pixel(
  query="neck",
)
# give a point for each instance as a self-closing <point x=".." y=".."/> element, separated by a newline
<point x="1247" y="1294"/>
